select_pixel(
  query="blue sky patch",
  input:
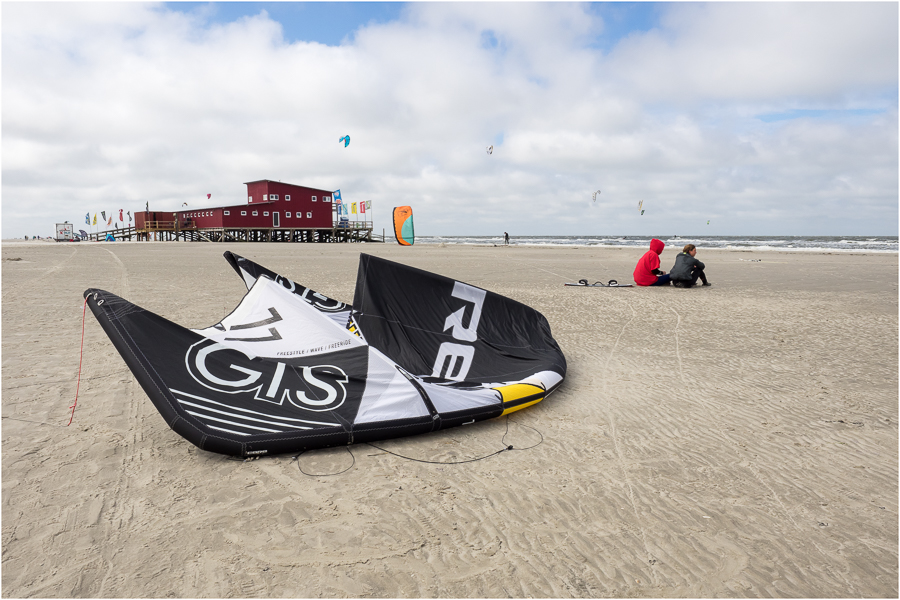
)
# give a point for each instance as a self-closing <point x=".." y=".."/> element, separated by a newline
<point x="621" y="19"/>
<point x="324" y="22"/>
<point x="332" y="23"/>
<point x="803" y="113"/>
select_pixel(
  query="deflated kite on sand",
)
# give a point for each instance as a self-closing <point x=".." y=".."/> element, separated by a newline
<point x="290" y="369"/>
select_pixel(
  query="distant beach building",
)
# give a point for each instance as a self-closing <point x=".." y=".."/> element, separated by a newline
<point x="269" y="204"/>
<point x="275" y="211"/>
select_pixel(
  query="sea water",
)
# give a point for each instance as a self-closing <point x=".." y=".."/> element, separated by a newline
<point x="762" y="243"/>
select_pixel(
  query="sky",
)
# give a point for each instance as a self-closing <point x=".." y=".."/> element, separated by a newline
<point x="733" y="118"/>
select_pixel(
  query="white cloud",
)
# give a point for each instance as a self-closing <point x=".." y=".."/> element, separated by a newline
<point x="111" y="105"/>
<point x="763" y="51"/>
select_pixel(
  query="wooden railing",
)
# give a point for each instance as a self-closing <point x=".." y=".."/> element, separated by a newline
<point x="164" y="225"/>
<point x="353" y="224"/>
<point x="168" y="225"/>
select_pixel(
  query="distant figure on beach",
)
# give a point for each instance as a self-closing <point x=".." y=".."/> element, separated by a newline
<point x="647" y="271"/>
<point x="688" y="269"/>
<point x="505" y="239"/>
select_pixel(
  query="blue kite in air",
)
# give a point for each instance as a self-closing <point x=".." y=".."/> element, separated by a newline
<point x="346" y="140"/>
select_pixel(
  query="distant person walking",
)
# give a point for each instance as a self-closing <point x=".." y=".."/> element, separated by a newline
<point x="647" y="271"/>
<point x="505" y="239"/>
<point x="688" y="269"/>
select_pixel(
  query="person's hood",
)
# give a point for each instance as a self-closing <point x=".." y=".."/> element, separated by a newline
<point x="657" y="245"/>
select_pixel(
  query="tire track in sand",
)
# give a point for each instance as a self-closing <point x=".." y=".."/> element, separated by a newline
<point x="748" y="462"/>
<point x="610" y="415"/>
<point x="52" y="270"/>
<point x="123" y="273"/>
<point x="120" y="513"/>
<point x="620" y="458"/>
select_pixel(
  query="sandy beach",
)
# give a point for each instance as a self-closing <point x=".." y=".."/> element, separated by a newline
<point x="733" y="441"/>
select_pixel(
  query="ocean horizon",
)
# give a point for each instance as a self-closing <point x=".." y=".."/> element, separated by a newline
<point x="872" y="243"/>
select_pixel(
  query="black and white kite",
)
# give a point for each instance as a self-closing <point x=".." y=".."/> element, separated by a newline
<point x="290" y="369"/>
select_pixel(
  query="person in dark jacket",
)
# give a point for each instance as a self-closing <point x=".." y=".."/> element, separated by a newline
<point x="647" y="271"/>
<point x="688" y="269"/>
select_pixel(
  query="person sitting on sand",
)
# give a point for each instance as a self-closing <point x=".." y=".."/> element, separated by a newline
<point x="647" y="271"/>
<point x="687" y="269"/>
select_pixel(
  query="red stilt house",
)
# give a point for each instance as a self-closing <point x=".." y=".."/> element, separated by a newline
<point x="274" y="211"/>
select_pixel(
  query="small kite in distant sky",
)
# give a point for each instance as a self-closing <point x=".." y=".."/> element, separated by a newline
<point x="345" y="139"/>
<point x="642" y="212"/>
<point x="490" y="149"/>
<point x="208" y="196"/>
<point x="640" y="204"/>
<point x="595" y="195"/>
<point x="184" y="203"/>
<point x="707" y="222"/>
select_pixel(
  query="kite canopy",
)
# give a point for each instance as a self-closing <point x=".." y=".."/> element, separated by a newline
<point x="403" y="226"/>
<point x="249" y="271"/>
<point x="345" y="139"/>
<point x="290" y="369"/>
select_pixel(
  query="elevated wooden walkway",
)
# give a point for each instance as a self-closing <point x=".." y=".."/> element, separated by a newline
<point x="166" y="231"/>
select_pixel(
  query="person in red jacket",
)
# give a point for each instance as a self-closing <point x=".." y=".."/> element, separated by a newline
<point x="647" y="271"/>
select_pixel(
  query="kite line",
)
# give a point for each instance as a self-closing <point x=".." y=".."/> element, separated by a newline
<point x="430" y="462"/>
<point x="297" y="458"/>
<point x="461" y="462"/>
<point x="78" y="385"/>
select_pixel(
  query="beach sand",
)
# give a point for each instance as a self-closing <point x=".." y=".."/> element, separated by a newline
<point x="739" y="440"/>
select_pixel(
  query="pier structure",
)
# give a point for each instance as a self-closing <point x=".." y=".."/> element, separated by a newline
<point x="275" y="212"/>
<point x="173" y="231"/>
